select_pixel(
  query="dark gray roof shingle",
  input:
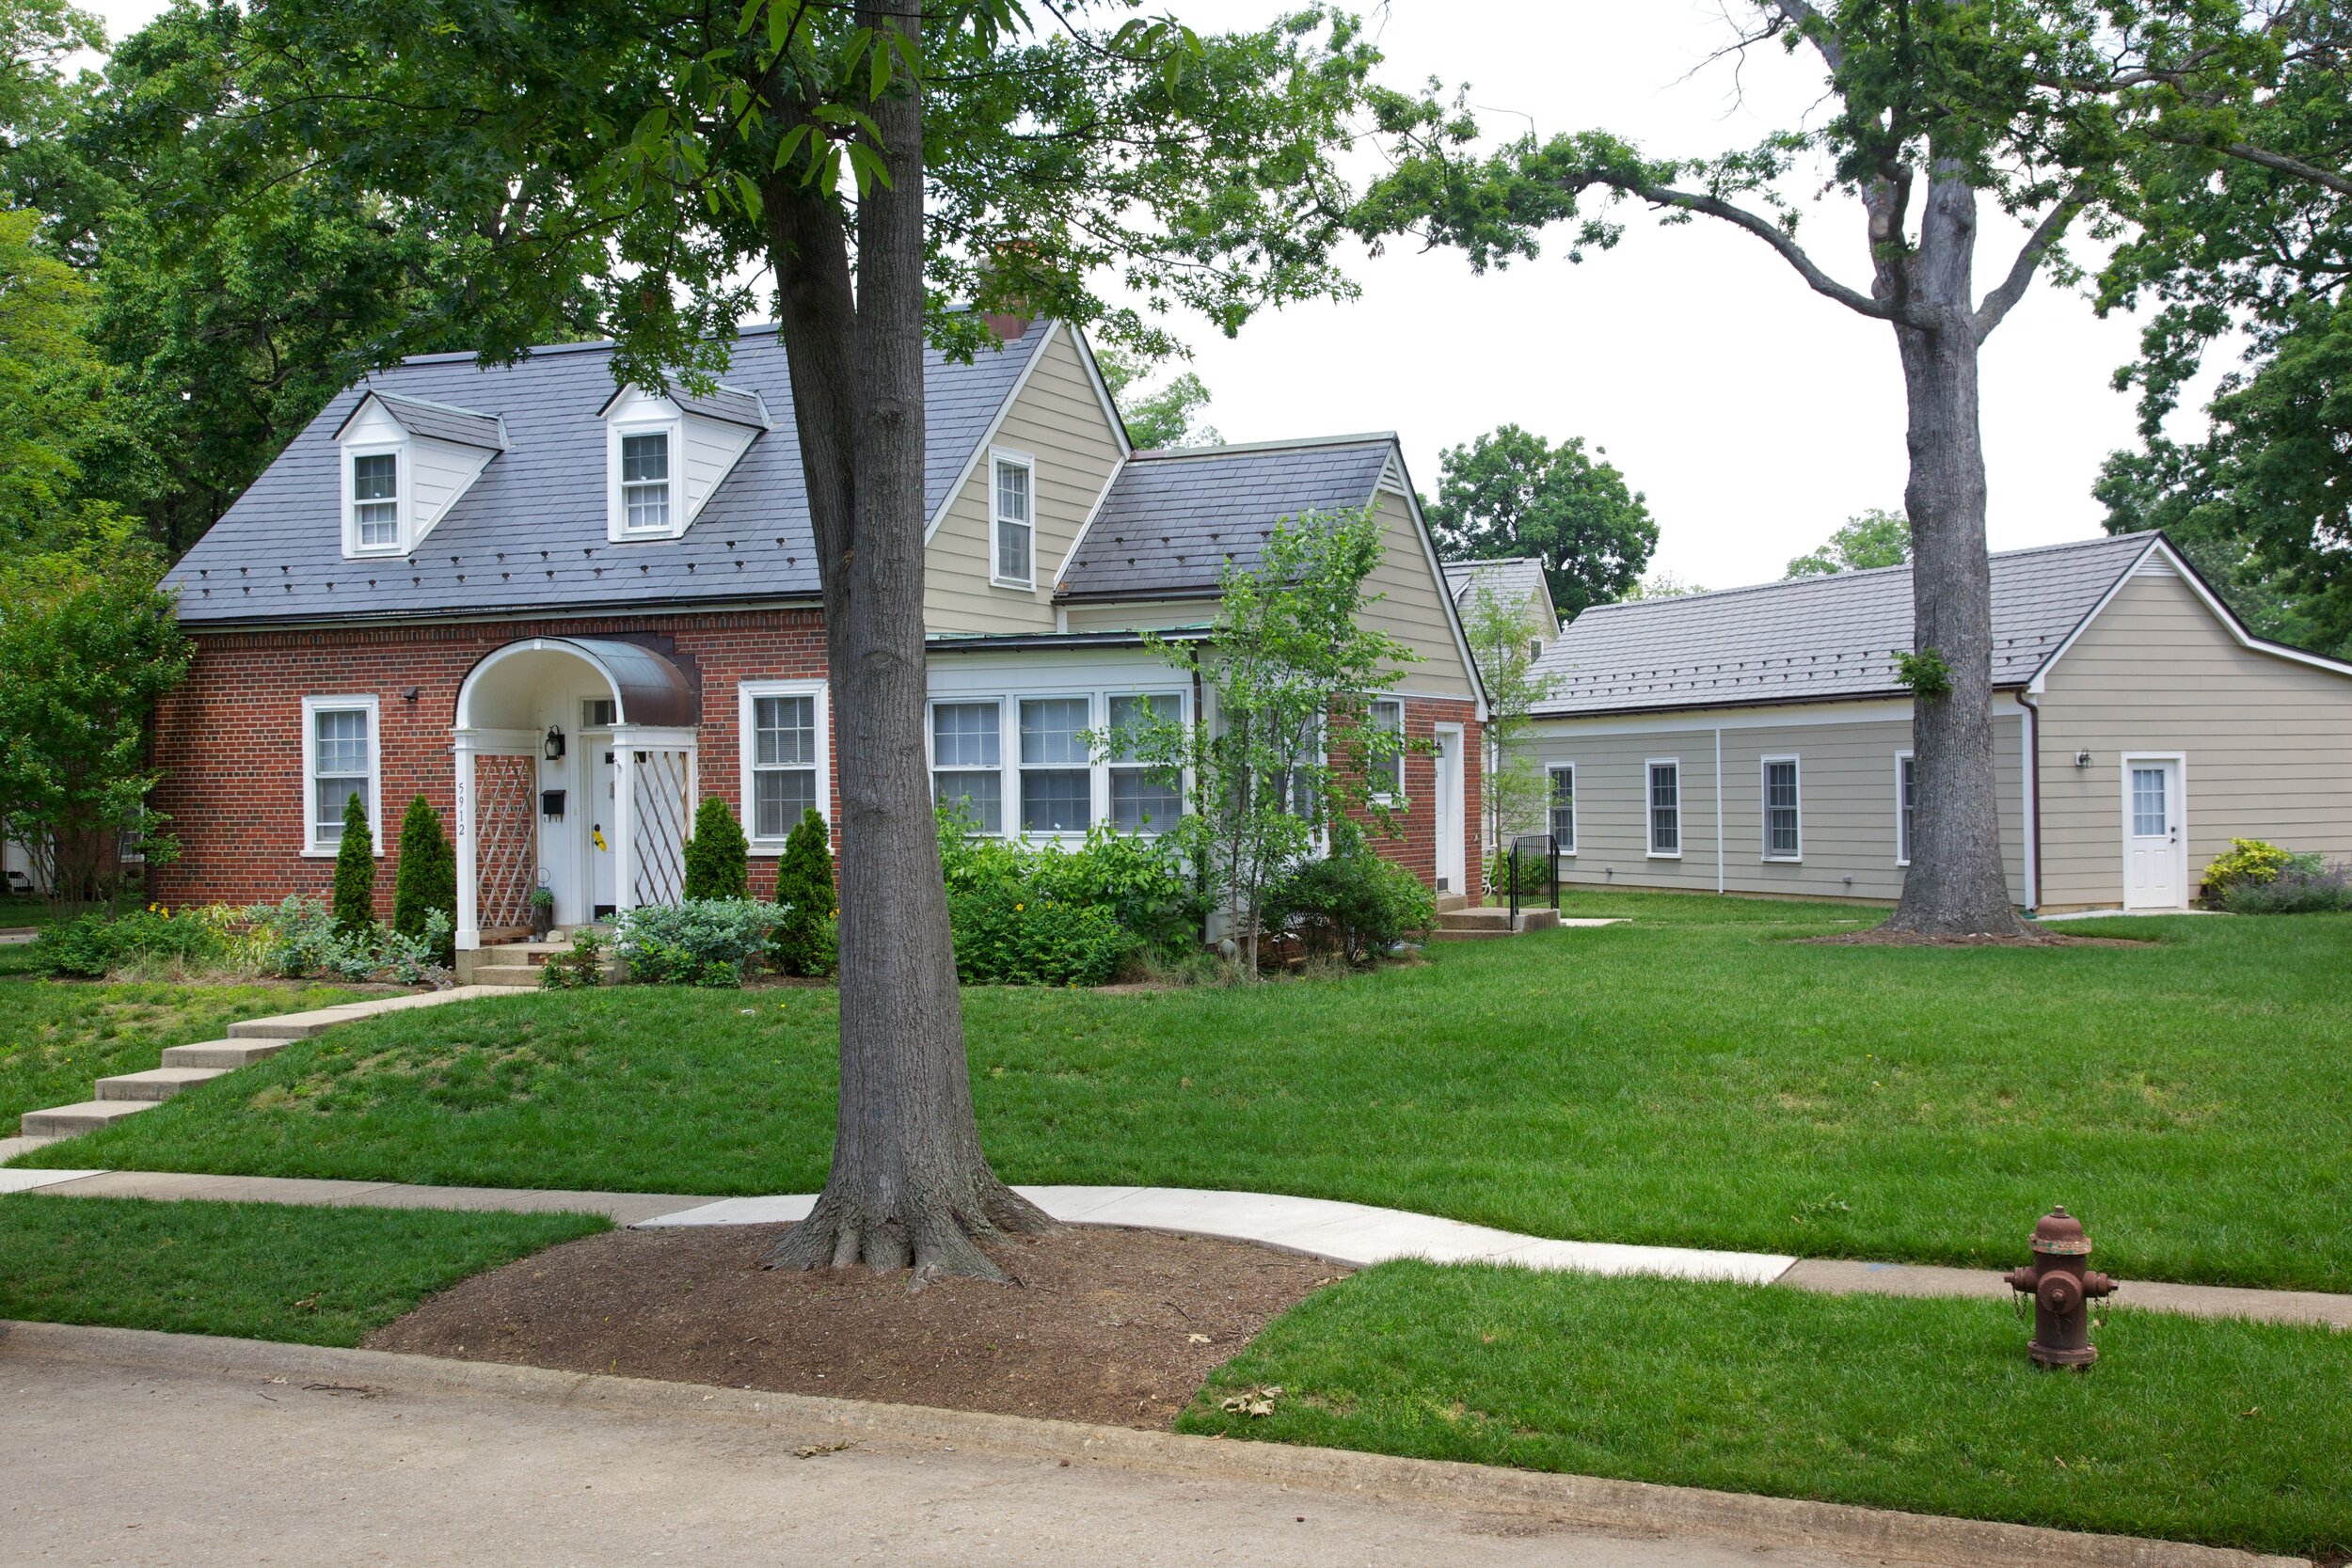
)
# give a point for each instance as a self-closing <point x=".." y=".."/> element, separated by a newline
<point x="440" y="420"/>
<point x="530" y="534"/>
<point x="1173" y="518"/>
<point x="1513" y="581"/>
<point x="1814" y="638"/>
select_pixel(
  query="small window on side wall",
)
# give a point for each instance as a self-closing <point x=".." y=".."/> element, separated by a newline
<point x="1386" y="774"/>
<point x="1563" y="806"/>
<point x="1784" y="833"/>
<point x="1906" y="798"/>
<point x="1013" y="554"/>
<point x="1665" y="809"/>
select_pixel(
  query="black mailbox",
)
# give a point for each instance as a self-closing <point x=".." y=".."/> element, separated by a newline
<point x="552" y="804"/>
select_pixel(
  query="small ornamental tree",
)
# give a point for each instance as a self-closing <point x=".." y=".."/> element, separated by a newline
<point x="1290" y="670"/>
<point x="718" y="857"/>
<point x="355" y="869"/>
<point x="805" y="942"/>
<point x="1516" y="791"/>
<point x="426" y="877"/>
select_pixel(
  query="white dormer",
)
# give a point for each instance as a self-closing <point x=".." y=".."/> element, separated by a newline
<point x="406" y="461"/>
<point x="665" y="455"/>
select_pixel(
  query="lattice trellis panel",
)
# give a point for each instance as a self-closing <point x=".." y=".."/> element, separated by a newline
<point x="506" y="840"/>
<point x="660" y="823"/>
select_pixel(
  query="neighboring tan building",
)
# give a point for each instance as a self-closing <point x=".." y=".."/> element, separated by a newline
<point x="1515" y="580"/>
<point x="1756" y="741"/>
<point x="565" y="613"/>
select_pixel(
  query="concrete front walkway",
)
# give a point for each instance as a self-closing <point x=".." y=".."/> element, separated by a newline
<point x="1354" y="1234"/>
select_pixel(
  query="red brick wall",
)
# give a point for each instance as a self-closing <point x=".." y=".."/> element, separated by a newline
<point x="231" y="737"/>
<point x="1411" y="838"/>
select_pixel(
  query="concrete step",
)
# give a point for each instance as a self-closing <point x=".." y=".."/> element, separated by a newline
<point x="1475" y="925"/>
<point x="293" y="1027"/>
<point x="66" y="1121"/>
<point x="221" y="1055"/>
<point x="1450" y="901"/>
<point x="159" y="1083"/>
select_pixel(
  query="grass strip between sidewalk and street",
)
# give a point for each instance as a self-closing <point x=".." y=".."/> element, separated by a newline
<point x="257" y="1271"/>
<point x="1698" y="1077"/>
<point x="2225" y="1433"/>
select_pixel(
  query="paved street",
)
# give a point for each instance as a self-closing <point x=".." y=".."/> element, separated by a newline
<point x="109" y="1464"/>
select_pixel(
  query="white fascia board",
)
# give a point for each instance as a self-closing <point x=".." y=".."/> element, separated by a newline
<point x="2228" y="617"/>
<point x="1436" y="568"/>
<point x="988" y="436"/>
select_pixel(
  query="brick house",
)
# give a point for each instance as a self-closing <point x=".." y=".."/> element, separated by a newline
<point x="565" y="613"/>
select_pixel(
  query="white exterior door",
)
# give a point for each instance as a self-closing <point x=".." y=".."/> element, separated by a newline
<point x="1449" y="808"/>
<point x="2155" y="860"/>
<point x="603" y="828"/>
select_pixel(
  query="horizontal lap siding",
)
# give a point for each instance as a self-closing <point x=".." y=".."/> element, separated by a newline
<point x="1845" y="805"/>
<point x="1057" y="421"/>
<point x="2268" y="740"/>
<point x="1413" y="604"/>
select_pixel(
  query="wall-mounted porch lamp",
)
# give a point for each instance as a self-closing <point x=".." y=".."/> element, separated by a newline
<point x="2082" y="759"/>
<point x="553" y="749"/>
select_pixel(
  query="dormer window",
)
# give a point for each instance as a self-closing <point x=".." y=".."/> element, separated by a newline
<point x="645" y="482"/>
<point x="408" y="462"/>
<point x="376" y="501"/>
<point x="666" y="454"/>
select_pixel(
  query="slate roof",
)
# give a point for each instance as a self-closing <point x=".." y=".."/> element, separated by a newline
<point x="1173" y="517"/>
<point x="530" y="534"/>
<point x="1814" y="637"/>
<point x="440" y="420"/>
<point x="1513" y="580"/>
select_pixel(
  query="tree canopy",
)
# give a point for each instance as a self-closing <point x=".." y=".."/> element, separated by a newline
<point x="1512" y="492"/>
<point x="1872" y="538"/>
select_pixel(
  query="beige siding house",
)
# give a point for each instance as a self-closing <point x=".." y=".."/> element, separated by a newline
<point x="1756" y="741"/>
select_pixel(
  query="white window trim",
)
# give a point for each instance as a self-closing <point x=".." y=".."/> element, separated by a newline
<point x="616" y="529"/>
<point x="1399" y="795"/>
<point x="1649" y="811"/>
<point x="1903" y="839"/>
<point x="1001" y="457"/>
<point x="747" y="752"/>
<point x="1764" y="803"/>
<point x="1008" y="746"/>
<point x="404" y="528"/>
<point x="311" y="707"/>
<point x="1575" y="833"/>
<point x="1097" y="772"/>
<point x="1104" y="766"/>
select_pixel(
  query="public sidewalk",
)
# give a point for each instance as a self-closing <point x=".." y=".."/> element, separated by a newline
<point x="1353" y="1234"/>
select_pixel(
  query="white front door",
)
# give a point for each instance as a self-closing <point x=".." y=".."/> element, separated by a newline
<point x="1449" y="808"/>
<point x="2156" y="863"/>
<point x="603" y="830"/>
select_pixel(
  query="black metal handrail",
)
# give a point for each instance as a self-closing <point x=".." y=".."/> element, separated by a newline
<point x="1526" y="846"/>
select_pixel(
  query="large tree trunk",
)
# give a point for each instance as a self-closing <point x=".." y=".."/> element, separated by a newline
<point x="1956" y="884"/>
<point x="909" y="1185"/>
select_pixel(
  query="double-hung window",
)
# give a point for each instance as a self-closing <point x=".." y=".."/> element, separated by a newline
<point x="645" y="482"/>
<point x="1665" y="808"/>
<point x="1784" y="835"/>
<point x="1013" y="550"/>
<point x="1143" y="798"/>
<point x="376" y="501"/>
<point x="967" y="761"/>
<point x="1386" y="771"/>
<point x="786" y="761"/>
<point x="1563" y="806"/>
<point x="1057" y="769"/>
<point x="339" y="749"/>
<point x="1906" y="797"/>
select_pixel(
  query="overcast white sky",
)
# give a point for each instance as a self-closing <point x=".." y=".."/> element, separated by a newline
<point x="1754" y="413"/>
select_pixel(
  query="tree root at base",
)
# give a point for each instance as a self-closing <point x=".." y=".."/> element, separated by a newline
<point x="934" y="1238"/>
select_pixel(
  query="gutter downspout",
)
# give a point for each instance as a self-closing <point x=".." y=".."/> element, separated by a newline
<point x="2031" y="837"/>
<point x="1719" y="808"/>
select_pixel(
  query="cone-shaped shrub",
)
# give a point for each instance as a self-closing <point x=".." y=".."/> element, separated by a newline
<point x="805" y="944"/>
<point x="718" y="857"/>
<point x="354" y="870"/>
<point x="427" y="878"/>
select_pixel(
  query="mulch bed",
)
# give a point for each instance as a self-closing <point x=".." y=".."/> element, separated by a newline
<point x="1881" y="937"/>
<point x="1118" y="1327"/>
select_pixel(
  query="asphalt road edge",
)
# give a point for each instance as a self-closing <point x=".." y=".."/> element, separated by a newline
<point x="1634" y="1508"/>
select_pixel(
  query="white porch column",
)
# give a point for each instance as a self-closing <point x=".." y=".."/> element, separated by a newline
<point x="624" y="822"/>
<point x="468" y="926"/>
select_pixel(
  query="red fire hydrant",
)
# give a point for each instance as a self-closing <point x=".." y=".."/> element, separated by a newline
<point x="2061" y="1284"/>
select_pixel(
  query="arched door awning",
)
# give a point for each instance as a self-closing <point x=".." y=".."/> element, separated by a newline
<point x="647" y="690"/>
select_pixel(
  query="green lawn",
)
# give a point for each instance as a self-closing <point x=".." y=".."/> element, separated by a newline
<point x="260" y="1270"/>
<point x="2229" y="1432"/>
<point x="1695" y="1077"/>
<point x="60" y="1037"/>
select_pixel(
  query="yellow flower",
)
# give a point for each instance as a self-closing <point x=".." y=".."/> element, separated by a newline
<point x="1018" y="907"/>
